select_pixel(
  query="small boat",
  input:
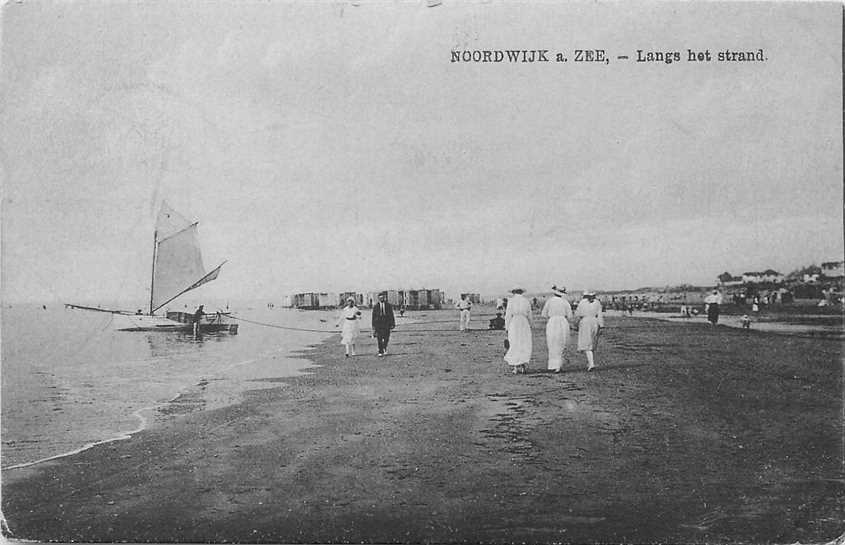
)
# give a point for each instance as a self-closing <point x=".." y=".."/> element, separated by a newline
<point x="177" y="268"/>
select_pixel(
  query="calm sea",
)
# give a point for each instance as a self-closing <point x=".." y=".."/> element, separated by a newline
<point x="69" y="380"/>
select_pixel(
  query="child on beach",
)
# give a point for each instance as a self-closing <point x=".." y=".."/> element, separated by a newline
<point x="746" y="321"/>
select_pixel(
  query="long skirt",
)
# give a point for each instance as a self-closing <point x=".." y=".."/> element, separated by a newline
<point x="519" y="338"/>
<point x="713" y="313"/>
<point x="588" y="333"/>
<point x="557" y="335"/>
<point x="349" y="331"/>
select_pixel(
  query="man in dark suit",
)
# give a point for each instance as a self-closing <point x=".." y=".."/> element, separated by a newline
<point x="383" y="322"/>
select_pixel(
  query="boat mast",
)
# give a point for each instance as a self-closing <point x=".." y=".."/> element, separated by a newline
<point x="153" y="275"/>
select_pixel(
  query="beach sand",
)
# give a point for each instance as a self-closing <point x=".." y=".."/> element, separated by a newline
<point x="684" y="433"/>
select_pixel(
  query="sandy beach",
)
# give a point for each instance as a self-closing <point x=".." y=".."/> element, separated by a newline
<point x="685" y="433"/>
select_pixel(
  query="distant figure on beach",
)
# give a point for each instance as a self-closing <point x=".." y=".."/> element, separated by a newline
<point x="383" y="321"/>
<point x="138" y="312"/>
<point x="755" y="304"/>
<point x="464" y="306"/>
<point x="746" y="321"/>
<point x="590" y="321"/>
<point x="350" y="326"/>
<point x="402" y="311"/>
<point x="498" y="322"/>
<point x="558" y="310"/>
<point x="500" y="304"/>
<point x="712" y="302"/>
<point x="198" y="314"/>
<point x="518" y="324"/>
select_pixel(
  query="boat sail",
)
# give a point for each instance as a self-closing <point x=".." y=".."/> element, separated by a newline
<point x="177" y="259"/>
<point x="177" y="268"/>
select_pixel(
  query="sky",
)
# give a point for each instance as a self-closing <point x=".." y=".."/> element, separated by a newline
<point x="335" y="146"/>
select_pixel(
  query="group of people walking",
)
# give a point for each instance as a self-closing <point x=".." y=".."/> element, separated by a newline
<point x="588" y="318"/>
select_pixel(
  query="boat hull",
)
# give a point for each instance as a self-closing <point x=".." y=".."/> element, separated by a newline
<point x="178" y="322"/>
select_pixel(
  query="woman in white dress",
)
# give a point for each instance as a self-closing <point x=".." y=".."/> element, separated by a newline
<point x="349" y="322"/>
<point x="559" y="312"/>
<point x="590" y="321"/>
<point x="518" y="323"/>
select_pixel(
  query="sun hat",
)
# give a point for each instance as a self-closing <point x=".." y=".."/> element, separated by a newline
<point x="517" y="290"/>
<point x="589" y="293"/>
<point x="559" y="291"/>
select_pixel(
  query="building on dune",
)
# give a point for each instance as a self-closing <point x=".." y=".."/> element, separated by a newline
<point x="768" y="275"/>
<point x="833" y="269"/>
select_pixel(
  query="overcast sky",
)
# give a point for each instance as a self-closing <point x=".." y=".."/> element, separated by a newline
<point x="335" y="147"/>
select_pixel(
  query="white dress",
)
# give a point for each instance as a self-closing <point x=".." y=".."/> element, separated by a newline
<point x="588" y="328"/>
<point x="519" y="330"/>
<point x="559" y="312"/>
<point x="350" y="324"/>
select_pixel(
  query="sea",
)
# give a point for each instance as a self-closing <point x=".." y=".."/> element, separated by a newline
<point x="71" y="381"/>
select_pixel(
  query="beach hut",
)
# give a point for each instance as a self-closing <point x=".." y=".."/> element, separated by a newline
<point x="395" y="297"/>
<point x="435" y="299"/>
<point x="327" y="300"/>
<point x="307" y="300"/>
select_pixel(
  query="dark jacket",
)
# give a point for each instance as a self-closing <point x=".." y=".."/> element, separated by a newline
<point x="383" y="321"/>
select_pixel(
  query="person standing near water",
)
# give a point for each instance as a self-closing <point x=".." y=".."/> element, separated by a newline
<point x="590" y="321"/>
<point x="350" y="326"/>
<point x="558" y="310"/>
<point x="383" y="321"/>
<point x="518" y="324"/>
<point x="198" y="314"/>
<point x="712" y="303"/>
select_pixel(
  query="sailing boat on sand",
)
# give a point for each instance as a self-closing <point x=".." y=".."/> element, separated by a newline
<point x="177" y="269"/>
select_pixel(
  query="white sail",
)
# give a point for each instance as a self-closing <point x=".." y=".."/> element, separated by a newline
<point x="178" y="263"/>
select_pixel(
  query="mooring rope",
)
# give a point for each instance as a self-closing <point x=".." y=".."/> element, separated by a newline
<point x="334" y="330"/>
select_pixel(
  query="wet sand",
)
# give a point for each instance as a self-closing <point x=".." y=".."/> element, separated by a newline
<point x="685" y="433"/>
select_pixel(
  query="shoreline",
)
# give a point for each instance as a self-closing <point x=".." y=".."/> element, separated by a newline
<point x="437" y="442"/>
<point x="188" y="397"/>
<point x="775" y="326"/>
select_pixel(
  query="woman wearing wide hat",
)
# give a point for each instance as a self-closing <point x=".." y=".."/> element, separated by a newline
<point x="518" y="324"/>
<point x="559" y="312"/>
<point x="590" y="321"/>
<point x="350" y="326"/>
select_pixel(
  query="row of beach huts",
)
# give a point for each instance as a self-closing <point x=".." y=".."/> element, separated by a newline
<point x="421" y="299"/>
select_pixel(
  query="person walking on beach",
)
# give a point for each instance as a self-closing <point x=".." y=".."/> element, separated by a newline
<point x="383" y="321"/>
<point x="558" y="310"/>
<point x="518" y="324"/>
<point x="712" y="303"/>
<point x="350" y="326"/>
<point x="464" y="306"/>
<point x="590" y="321"/>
